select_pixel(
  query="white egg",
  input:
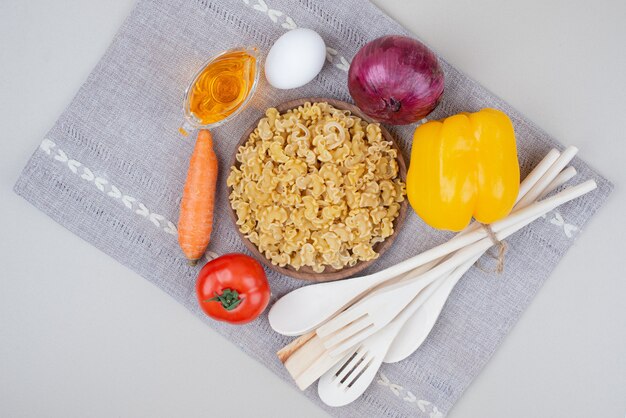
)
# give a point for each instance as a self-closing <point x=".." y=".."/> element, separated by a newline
<point x="295" y="59"/>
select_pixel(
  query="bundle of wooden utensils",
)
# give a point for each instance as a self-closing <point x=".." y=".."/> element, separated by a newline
<point x="350" y="327"/>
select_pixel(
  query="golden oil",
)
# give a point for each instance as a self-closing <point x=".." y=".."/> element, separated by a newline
<point x="222" y="86"/>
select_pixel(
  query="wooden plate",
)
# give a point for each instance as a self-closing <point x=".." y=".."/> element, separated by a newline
<point x="305" y="272"/>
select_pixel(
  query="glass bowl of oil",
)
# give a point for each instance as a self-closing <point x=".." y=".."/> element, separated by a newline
<point x="220" y="89"/>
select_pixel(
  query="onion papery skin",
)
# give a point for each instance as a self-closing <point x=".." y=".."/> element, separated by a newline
<point x="396" y="80"/>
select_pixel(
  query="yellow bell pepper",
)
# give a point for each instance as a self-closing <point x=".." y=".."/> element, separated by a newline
<point x="462" y="167"/>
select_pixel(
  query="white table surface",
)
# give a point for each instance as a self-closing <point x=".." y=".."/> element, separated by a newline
<point x="80" y="335"/>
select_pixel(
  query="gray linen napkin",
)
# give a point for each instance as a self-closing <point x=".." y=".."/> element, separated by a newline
<point x="112" y="168"/>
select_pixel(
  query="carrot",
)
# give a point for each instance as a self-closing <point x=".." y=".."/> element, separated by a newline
<point x="196" y="209"/>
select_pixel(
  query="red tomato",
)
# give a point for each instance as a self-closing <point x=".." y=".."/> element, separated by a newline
<point x="233" y="288"/>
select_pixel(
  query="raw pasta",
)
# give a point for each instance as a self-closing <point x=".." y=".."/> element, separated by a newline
<point x="317" y="187"/>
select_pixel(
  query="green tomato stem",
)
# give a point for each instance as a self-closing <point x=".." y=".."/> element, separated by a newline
<point x="229" y="299"/>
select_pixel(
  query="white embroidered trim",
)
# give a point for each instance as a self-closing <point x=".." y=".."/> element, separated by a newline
<point x="559" y="221"/>
<point x="288" y="23"/>
<point x="49" y="147"/>
<point x="210" y="255"/>
<point x="425" y="406"/>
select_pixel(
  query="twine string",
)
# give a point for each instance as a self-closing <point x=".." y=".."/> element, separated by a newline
<point x="502" y="247"/>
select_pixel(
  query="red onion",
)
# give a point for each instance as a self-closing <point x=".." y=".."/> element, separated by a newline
<point x="396" y="80"/>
